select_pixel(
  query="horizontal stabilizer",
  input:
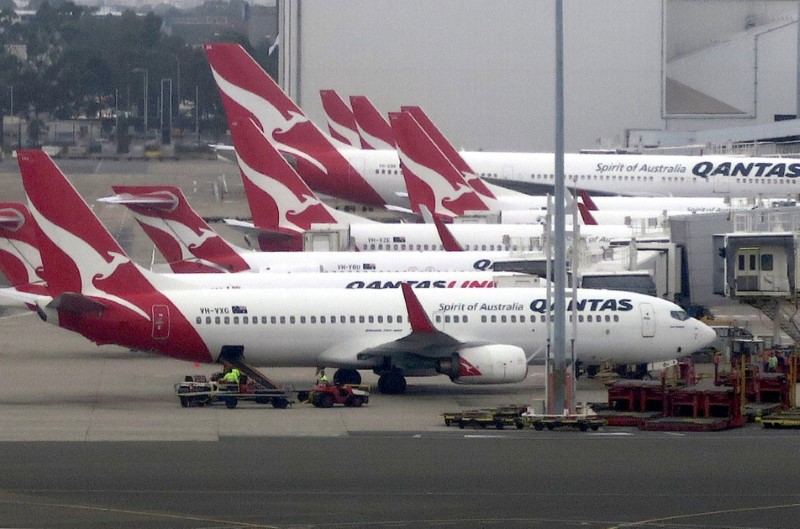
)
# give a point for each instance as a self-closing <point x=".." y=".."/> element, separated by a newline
<point x="77" y="303"/>
<point x="153" y="200"/>
<point x="18" y="294"/>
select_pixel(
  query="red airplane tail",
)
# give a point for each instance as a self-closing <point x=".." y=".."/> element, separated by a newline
<point x="341" y="122"/>
<point x="247" y="92"/>
<point x="431" y="179"/>
<point x="96" y="289"/>
<point x="449" y="151"/>
<point x="20" y="260"/>
<point x="374" y="131"/>
<point x="186" y="241"/>
<point x="279" y="199"/>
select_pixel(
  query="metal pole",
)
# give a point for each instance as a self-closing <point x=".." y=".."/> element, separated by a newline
<point x="559" y="260"/>
<point x="197" y="112"/>
<point x="145" y="102"/>
<point x="11" y="113"/>
<point x="797" y="108"/>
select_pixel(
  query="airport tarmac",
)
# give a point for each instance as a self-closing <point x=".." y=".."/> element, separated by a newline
<point x="93" y="437"/>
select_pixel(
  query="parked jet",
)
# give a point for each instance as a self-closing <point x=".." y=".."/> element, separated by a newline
<point x="373" y="177"/>
<point x="483" y="336"/>
<point x="188" y="243"/>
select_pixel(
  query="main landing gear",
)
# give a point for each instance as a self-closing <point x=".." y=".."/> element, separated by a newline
<point x="392" y="382"/>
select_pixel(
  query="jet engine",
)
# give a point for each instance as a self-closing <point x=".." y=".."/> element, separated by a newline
<point x="485" y="364"/>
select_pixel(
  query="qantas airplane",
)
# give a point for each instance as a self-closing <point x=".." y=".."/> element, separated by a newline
<point x="374" y="177"/>
<point x="480" y="336"/>
<point x="284" y="208"/>
<point x="188" y="244"/>
<point x="20" y="262"/>
<point x="513" y="207"/>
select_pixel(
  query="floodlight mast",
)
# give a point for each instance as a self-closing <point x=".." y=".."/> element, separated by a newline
<point x="559" y="379"/>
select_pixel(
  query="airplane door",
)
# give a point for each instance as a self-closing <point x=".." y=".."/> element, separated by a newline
<point x="722" y="184"/>
<point x="160" y="322"/>
<point x="648" y="320"/>
<point x="747" y="270"/>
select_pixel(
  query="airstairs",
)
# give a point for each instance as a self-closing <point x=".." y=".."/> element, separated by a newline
<point x="784" y="312"/>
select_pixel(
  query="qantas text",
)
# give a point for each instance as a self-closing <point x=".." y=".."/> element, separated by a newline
<point x="590" y="305"/>
<point x="706" y="169"/>
<point x="422" y="284"/>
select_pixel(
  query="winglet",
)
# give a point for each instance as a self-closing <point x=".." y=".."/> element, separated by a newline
<point x="419" y="320"/>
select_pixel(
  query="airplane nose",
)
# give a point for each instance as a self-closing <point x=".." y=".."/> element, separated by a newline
<point x="705" y="335"/>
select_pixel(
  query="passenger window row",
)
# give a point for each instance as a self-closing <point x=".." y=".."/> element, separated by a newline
<point x="292" y="320"/>
<point x="522" y="318"/>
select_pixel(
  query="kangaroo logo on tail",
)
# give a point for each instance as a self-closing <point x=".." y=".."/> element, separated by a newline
<point x="431" y="179"/>
<point x="278" y="197"/>
<point x="20" y="259"/>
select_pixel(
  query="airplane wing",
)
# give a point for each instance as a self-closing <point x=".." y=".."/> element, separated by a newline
<point x="425" y="340"/>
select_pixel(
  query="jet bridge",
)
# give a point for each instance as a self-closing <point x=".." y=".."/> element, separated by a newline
<point x="760" y="269"/>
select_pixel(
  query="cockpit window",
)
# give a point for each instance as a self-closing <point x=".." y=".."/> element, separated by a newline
<point x="679" y="315"/>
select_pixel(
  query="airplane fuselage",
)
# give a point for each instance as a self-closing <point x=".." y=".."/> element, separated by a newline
<point x="628" y="175"/>
<point x="280" y="327"/>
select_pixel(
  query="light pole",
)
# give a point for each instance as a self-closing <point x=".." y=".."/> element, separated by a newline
<point x="144" y="96"/>
<point x="166" y="135"/>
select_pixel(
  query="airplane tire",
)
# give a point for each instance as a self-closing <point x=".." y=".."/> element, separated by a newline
<point x="356" y="401"/>
<point x="280" y="403"/>
<point x="344" y="377"/>
<point x="325" y="400"/>
<point x="392" y="383"/>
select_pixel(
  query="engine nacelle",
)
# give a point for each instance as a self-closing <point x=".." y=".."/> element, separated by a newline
<point x="485" y="364"/>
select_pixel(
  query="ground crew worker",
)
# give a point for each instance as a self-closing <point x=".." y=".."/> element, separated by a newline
<point x="231" y="377"/>
<point x="773" y="362"/>
<point x="322" y="378"/>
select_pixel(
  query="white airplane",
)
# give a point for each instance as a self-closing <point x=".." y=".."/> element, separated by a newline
<point x="513" y="208"/>
<point x="20" y="262"/>
<point x="188" y="244"/>
<point x="284" y="208"/>
<point x="374" y="177"/>
<point x="482" y="336"/>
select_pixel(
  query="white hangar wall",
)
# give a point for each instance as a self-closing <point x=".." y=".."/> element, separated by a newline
<point x="484" y="71"/>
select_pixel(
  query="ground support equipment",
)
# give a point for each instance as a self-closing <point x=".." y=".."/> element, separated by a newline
<point x="785" y="419"/>
<point x="498" y="418"/>
<point x="197" y="390"/>
<point x="551" y="422"/>
<point x="350" y="395"/>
